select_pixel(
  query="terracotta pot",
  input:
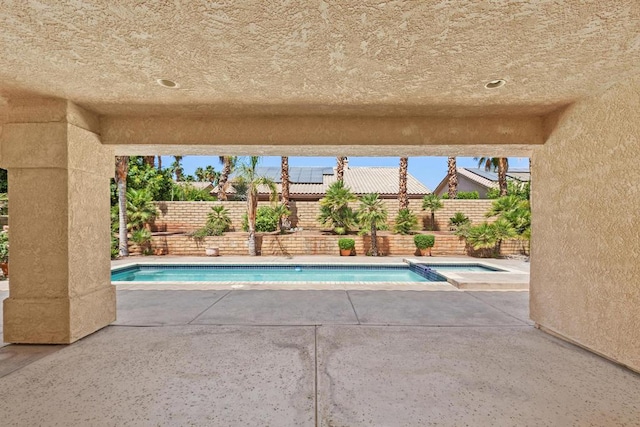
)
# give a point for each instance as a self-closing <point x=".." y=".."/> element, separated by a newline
<point x="345" y="252"/>
<point x="212" y="251"/>
<point x="425" y="252"/>
<point x="5" y="268"/>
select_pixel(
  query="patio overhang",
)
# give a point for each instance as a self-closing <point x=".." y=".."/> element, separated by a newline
<point x="82" y="82"/>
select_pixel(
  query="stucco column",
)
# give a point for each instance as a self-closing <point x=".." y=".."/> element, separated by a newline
<point x="59" y="287"/>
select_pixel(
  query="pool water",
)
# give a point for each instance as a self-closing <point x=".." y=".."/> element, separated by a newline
<point x="279" y="273"/>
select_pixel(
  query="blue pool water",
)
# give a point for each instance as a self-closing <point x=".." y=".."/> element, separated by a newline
<point x="276" y="273"/>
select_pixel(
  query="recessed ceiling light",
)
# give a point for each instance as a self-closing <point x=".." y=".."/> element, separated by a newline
<point x="494" y="84"/>
<point x="168" y="83"/>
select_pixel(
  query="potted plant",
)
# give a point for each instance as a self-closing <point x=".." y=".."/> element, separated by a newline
<point x="4" y="252"/>
<point x="424" y="242"/>
<point x="346" y="246"/>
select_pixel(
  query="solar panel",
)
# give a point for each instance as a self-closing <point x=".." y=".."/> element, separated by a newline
<point x="492" y="176"/>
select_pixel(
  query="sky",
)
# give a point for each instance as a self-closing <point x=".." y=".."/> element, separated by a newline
<point x="428" y="170"/>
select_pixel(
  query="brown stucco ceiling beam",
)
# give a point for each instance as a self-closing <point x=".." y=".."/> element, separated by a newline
<point x="323" y="135"/>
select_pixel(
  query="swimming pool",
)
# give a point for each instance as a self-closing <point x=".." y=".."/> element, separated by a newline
<point x="274" y="273"/>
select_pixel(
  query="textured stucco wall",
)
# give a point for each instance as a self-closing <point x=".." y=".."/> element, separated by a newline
<point x="585" y="271"/>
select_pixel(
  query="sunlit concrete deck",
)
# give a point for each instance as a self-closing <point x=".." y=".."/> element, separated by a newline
<point x="341" y="357"/>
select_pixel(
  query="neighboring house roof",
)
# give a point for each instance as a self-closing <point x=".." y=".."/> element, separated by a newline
<point x="488" y="179"/>
<point x="196" y="184"/>
<point x="361" y="180"/>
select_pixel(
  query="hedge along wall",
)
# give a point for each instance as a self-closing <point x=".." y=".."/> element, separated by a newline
<point x="302" y="243"/>
<point x="189" y="216"/>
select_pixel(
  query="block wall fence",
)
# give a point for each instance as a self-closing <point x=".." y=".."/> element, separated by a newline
<point x="189" y="216"/>
<point x="176" y="218"/>
<point x="308" y="243"/>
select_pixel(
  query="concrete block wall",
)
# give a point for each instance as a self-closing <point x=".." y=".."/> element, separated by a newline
<point x="303" y="243"/>
<point x="189" y="216"/>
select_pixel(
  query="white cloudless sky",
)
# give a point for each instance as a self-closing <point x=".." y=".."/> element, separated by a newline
<point x="428" y="170"/>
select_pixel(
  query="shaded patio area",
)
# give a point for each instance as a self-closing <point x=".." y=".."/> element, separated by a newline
<point x="316" y="357"/>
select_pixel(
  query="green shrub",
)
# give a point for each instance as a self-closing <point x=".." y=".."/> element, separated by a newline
<point x="266" y="220"/>
<point x="459" y="219"/>
<point x="141" y="237"/>
<point x="115" y="247"/>
<point x="468" y="195"/>
<point x="4" y="246"/>
<point x="406" y="222"/>
<point x="424" y="241"/>
<point x="346" y="244"/>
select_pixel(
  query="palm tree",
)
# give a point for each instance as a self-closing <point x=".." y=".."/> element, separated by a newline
<point x="159" y="163"/>
<point x="432" y="203"/>
<point x="249" y="174"/>
<point x="199" y="173"/>
<point x="210" y="174"/>
<point x="501" y="164"/>
<point x="340" y="168"/>
<point x="334" y="208"/>
<point x="140" y="208"/>
<point x="177" y="168"/>
<point x="122" y="169"/>
<point x="403" y="199"/>
<point x="228" y="163"/>
<point x="284" y="179"/>
<point x="148" y="160"/>
<point x="372" y="215"/>
<point x="453" y="177"/>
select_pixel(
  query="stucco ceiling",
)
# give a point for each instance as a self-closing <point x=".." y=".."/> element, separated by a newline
<point x="317" y="57"/>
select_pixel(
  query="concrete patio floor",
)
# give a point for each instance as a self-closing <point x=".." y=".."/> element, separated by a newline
<point x="316" y="357"/>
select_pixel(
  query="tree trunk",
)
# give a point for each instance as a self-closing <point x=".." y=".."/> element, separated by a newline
<point x="433" y="221"/>
<point x="403" y="199"/>
<point x="374" y="240"/>
<point x="252" y="206"/>
<point x="224" y="177"/>
<point x="149" y="160"/>
<point x="159" y="163"/>
<point x="284" y="167"/>
<point x="502" y="175"/>
<point x="122" y="169"/>
<point x="340" y="168"/>
<point x="453" y="178"/>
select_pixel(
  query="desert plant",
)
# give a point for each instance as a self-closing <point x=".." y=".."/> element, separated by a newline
<point x="140" y="208"/>
<point x="218" y="222"/>
<point x="281" y="211"/>
<point x="248" y="173"/>
<point x="458" y="219"/>
<point x="424" y="241"/>
<point x="346" y="244"/>
<point x="406" y="222"/>
<point x="142" y="238"/>
<point x="432" y="203"/>
<point x="334" y="207"/>
<point x="372" y="215"/>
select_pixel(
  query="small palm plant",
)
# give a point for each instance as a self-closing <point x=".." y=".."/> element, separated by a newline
<point x="372" y="215"/>
<point x="432" y="202"/>
<point x="218" y="222"/>
<point x="282" y="212"/>
<point x="406" y="222"/>
<point x="335" y="210"/>
<point x="140" y="208"/>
